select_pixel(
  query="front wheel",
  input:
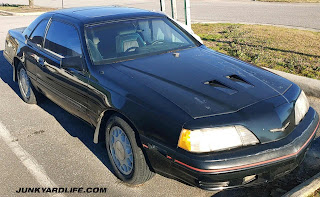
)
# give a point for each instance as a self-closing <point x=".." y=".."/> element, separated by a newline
<point x="126" y="157"/>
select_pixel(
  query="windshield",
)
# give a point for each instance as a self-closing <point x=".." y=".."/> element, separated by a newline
<point x="130" y="39"/>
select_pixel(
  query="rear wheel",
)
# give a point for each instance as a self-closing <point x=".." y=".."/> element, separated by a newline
<point x="125" y="155"/>
<point x="26" y="89"/>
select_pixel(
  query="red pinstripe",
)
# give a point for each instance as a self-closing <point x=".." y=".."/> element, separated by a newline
<point x="253" y="164"/>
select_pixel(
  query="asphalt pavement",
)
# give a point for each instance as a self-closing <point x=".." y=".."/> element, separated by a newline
<point x="302" y="15"/>
<point x="42" y="145"/>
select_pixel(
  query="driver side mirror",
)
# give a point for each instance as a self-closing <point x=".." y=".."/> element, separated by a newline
<point x="75" y="62"/>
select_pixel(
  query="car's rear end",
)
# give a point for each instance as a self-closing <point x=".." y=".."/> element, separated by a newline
<point x="14" y="41"/>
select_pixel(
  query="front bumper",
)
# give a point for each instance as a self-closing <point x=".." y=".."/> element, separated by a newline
<point x="235" y="168"/>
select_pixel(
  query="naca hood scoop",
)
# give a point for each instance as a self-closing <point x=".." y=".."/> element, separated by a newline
<point x="226" y="89"/>
<point x="220" y="86"/>
<point x="203" y="82"/>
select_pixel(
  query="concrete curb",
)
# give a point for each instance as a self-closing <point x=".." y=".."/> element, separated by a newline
<point x="306" y="188"/>
<point x="6" y="13"/>
<point x="310" y="86"/>
<point x="265" y="24"/>
<point x="21" y="13"/>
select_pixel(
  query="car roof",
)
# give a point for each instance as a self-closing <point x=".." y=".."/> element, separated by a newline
<point x="97" y="14"/>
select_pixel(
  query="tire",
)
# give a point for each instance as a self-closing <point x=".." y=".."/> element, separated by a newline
<point x="119" y="133"/>
<point x="27" y="91"/>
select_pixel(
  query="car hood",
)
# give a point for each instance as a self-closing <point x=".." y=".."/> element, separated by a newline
<point x="203" y="82"/>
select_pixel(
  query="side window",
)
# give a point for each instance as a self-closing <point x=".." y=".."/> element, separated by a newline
<point x="37" y="35"/>
<point x="63" y="39"/>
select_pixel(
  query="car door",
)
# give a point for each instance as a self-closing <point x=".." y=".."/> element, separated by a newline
<point x="65" y="86"/>
<point x="33" y="49"/>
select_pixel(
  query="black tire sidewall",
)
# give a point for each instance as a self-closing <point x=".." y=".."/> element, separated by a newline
<point x="137" y="162"/>
<point x="30" y="99"/>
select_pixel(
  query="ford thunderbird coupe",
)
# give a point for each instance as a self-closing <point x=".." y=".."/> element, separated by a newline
<point x="160" y="100"/>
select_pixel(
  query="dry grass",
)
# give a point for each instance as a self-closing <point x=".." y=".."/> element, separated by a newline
<point x="293" y="1"/>
<point x="23" y="8"/>
<point x="316" y="193"/>
<point x="290" y="50"/>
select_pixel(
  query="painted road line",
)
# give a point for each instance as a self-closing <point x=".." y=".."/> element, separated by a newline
<point x="28" y="161"/>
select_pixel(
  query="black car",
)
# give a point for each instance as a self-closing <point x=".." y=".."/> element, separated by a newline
<point x="162" y="101"/>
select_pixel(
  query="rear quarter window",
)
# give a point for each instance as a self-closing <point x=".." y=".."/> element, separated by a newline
<point x="38" y="34"/>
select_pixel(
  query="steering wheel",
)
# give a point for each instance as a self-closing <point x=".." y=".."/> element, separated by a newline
<point x="131" y="48"/>
<point x="157" y="41"/>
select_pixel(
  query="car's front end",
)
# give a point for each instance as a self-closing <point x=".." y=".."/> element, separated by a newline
<point x="243" y="148"/>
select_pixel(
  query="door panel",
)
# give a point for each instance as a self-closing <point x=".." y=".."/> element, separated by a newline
<point x="31" y="61"/>
<point x="65" y="86"/>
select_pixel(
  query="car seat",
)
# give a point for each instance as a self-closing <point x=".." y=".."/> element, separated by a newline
<point x="127" y="39"/>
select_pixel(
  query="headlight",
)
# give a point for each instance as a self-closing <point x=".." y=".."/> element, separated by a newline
<point x="216" y="139"/>
<point x="301" y="107"/>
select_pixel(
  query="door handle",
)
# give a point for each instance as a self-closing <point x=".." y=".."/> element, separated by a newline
<point x="41" y="61"/>
<point x="73" y="72"/>
<point x="35" y="56"/>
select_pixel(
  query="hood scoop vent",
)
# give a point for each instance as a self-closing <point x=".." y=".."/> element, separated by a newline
<point x="220" y="86"/>
<point x="240" y="81"/>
